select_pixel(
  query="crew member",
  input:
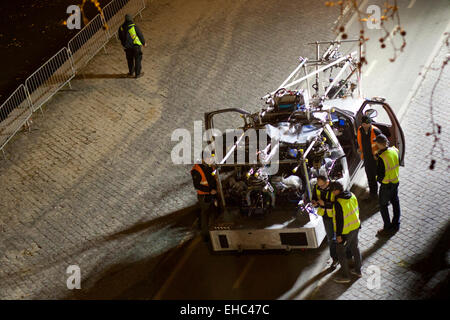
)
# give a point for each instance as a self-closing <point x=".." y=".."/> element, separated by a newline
<point x="320" y="167"/>
<point x="367" y="150"/>
<point x="323" y="198"/>
<point x="388" y="177"/>
<point x="205" y="184"/>
<point x="346" y="225"/>
<point x="132" y="40"/>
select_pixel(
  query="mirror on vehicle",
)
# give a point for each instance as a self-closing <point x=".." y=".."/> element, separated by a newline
<point x="371" y="113"/>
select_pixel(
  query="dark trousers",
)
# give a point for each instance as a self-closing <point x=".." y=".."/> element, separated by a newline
<point x="349" y="243"/>
<point x="371" y="172"/>
<point x="389" y="193"/>
<point x="134" y="59"/>
<point x="205" y="202"/>
<point x="331" y="237"/>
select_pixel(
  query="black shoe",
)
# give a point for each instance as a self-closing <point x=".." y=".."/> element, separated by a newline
<point x="394" y="229"/>
<point x="139" y="75"/>
<point x="341" y="279"/>
<point x="334" y="263"/>
<point x="383" y="233"/>
<point x="358" y="274"/>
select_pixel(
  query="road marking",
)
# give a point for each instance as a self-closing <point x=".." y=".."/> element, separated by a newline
<point x="411" y="4"/>
<point x="423" y="73"/>
<point x="244" y="272"/>
<point x="371" y="66"/>
<point x="355" y="15"/>
<point x="177" y="268"/>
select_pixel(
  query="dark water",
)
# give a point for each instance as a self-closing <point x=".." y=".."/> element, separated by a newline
<point x="30" y="33"/>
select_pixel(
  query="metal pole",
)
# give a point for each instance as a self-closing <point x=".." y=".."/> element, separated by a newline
<point x="317" y="67"/>
<point x="294" y="72"/>
<point x="359" y="70"/>
<point x="336" y="78"/>
<point x="321" y="69"/>
<point x="307" y="82"/>
<point x="305" y="171"/>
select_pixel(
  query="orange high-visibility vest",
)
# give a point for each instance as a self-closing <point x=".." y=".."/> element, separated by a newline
<point x="204" y="181"/>
<point x="372" y="136"/>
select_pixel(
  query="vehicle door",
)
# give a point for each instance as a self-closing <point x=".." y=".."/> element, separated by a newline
<point x="223" y="121"/>
<point x="344" y="128"/>
<point x="384" y="119"/>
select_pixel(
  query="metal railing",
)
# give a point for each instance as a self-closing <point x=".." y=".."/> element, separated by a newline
<point x="86" y="43"/>
<point x="14" y="113"/>
<point x="50" y="78"/>
<point x="53" y="75"/>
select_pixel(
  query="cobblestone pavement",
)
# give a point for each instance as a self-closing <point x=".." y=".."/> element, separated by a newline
<point x="414" y="264"/>
<point x="92" y="184"/>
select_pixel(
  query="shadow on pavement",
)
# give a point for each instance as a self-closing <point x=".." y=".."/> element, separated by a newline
<point x="331" y="290"/>
<point x="433" y="263"/>
<point x="310" y="282"/>
<point x="137" y="279"/>
<point x="182" y="215"/>
<point x="142" y="279"/>
<point x="101" y="76"/>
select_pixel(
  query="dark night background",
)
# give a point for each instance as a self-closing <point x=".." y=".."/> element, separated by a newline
<point x="31" y="32"/>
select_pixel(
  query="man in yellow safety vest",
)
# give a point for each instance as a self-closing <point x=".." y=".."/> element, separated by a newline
<point x="388" y="177"/>
<point x="346" y="225"/>
<point x="323" y="198"/>
<point x="132" y="40"/>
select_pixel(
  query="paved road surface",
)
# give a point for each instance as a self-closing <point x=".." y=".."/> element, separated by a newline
<point x="93" y="184"/>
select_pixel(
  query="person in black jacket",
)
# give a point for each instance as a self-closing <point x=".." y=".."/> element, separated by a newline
<point x="347" y="224"/>
<point x="388" y="192"/>
<point x="132" y="40"/>
<point x="206" y="186"/>
<point x="366" y="133"/>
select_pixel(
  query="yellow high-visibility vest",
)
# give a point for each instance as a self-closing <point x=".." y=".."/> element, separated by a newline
<point x="350" y="210"/>
<point x="391" y="165"/>
<point x="132" y="32"/>
<point x="326" y="194"/>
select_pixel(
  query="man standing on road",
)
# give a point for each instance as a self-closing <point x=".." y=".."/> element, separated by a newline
<point x="132" y="40"/>
<point x="323" y="198"/>
<point x="367" y="150"/>
<point x="388" y="177"/>
<point x="346" y="225"/>
<point x="205" y="184"/>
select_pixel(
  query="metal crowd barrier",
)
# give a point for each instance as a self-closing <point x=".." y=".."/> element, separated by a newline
<point x="50" y="78"/>
<point x="62" y="67"/>
<point x="87" y="42"/>
<point x="14" y="113"/>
